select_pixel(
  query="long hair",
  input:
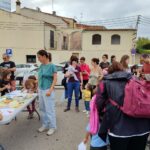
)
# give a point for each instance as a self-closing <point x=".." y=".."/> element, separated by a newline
<point x="116" y="66"/>
<point x="123" y="61"/>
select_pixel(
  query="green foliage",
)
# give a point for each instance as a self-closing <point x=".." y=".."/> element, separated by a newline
<point x="146" y="46"/>
<point x="143" y="45"/>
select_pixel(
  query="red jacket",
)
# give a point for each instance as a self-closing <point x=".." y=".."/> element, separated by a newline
<point x="85" y="67"/>
<point x="146" y="68"/>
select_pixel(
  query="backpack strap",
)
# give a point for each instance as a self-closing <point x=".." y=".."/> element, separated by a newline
<point x="115" y="104"/>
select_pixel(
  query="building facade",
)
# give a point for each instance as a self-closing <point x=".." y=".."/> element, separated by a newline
<point x="25" y="36"/>
<point x="5" y="5"/>
<point x="107" y="41"/>
<point x="31" y="30"/>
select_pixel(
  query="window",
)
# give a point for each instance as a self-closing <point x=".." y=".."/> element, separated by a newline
<point x="75" y="54"/>
<point x="115" y="39"/>
<point x="64" y="47"/>
<point x="31" y="58"/>
<point x="52" y="39"/>
<point x="96" y="39"/>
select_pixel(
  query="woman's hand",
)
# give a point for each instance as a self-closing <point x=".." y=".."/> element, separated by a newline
<point x="8" y="87"/>
<point x="67" y="74"/>
<point x="48" y="93"/>
<point x="81" y="86"/>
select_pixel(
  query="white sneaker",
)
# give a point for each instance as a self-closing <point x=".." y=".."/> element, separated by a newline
<point x="51" y="132"/>
<point x="42" y="129"/>
<point x="84" y="111"/>
<point x="87" y="112"/>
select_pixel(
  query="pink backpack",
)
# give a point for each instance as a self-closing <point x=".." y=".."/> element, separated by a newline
<point x="94" y="117"/>
<point x="137" y="99"/>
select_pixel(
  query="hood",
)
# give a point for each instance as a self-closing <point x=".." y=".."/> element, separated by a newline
<point x="120" y="75"/>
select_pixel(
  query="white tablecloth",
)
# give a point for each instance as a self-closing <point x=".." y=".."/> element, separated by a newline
<point x="7" y="118"/>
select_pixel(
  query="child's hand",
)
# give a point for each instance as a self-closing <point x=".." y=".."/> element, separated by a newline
<point x="85" y="141"/>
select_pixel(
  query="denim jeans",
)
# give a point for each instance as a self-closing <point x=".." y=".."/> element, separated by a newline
<point x="73" y="86"/>
<point x="47" y="109"/>
<point x="87" y="105"/>
<point x="66" y="92"/>
<point x="98" y="148"/>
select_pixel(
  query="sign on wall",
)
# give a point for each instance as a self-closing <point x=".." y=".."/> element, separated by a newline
<point x="9" y="52"/>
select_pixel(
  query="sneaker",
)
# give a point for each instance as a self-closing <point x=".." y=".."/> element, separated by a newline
<point x="51" y="132"/>
<point x="42" y="129"/>
<point x="67" y="109"/>
<point x="87" y="112"/>
<point x="84" y="111"/>
<point x="77" y="109"/>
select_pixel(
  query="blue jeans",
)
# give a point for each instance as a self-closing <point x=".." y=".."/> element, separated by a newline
<point x="73" y="86"/>
<point x="66" y="93"/>
<point x="47" y="109"/>
<point x="87" y="105"/>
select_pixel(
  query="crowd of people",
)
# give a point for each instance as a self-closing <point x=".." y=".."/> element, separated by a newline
<point x="105" y="86"/>
<point x="103" y="89"/>
<point x="43" y="85"/>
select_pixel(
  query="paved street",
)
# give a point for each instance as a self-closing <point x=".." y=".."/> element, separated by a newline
<point x="22" y="134"/>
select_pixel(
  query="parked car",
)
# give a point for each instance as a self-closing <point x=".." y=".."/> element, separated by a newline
<point x="24" y="75"/>
<point x="25" y="68"/>
<point x="139" y="66"/>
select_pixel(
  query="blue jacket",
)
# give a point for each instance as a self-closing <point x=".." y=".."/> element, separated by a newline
<point x="114" y="119"/>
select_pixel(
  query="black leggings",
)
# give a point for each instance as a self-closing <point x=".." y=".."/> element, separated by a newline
<point x="131" y="143"/>
<point x="98" y="148"/>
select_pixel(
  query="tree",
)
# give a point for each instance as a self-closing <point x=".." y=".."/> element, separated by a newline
<point x="141" y="42"/>
<point x="143" y="45"/>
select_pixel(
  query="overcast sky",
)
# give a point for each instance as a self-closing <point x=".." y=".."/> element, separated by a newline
<point x="87" y="10"/>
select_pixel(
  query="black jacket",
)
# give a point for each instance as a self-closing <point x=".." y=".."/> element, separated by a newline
<point x="114" y="120"/>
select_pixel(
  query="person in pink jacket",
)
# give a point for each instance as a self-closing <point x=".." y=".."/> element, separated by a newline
<point x="85" y="69"/>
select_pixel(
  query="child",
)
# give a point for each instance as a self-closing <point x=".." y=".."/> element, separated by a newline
<point x="5" y="83"/>
<point x="87" y="94"/>
<point x="135" y="70"/>
<point x="71" y="70"/>
<point x="31" y="87"/>
<point x="96" y="142"/>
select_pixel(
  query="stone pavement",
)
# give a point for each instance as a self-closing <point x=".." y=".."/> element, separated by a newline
<point x="22" y="134"/>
